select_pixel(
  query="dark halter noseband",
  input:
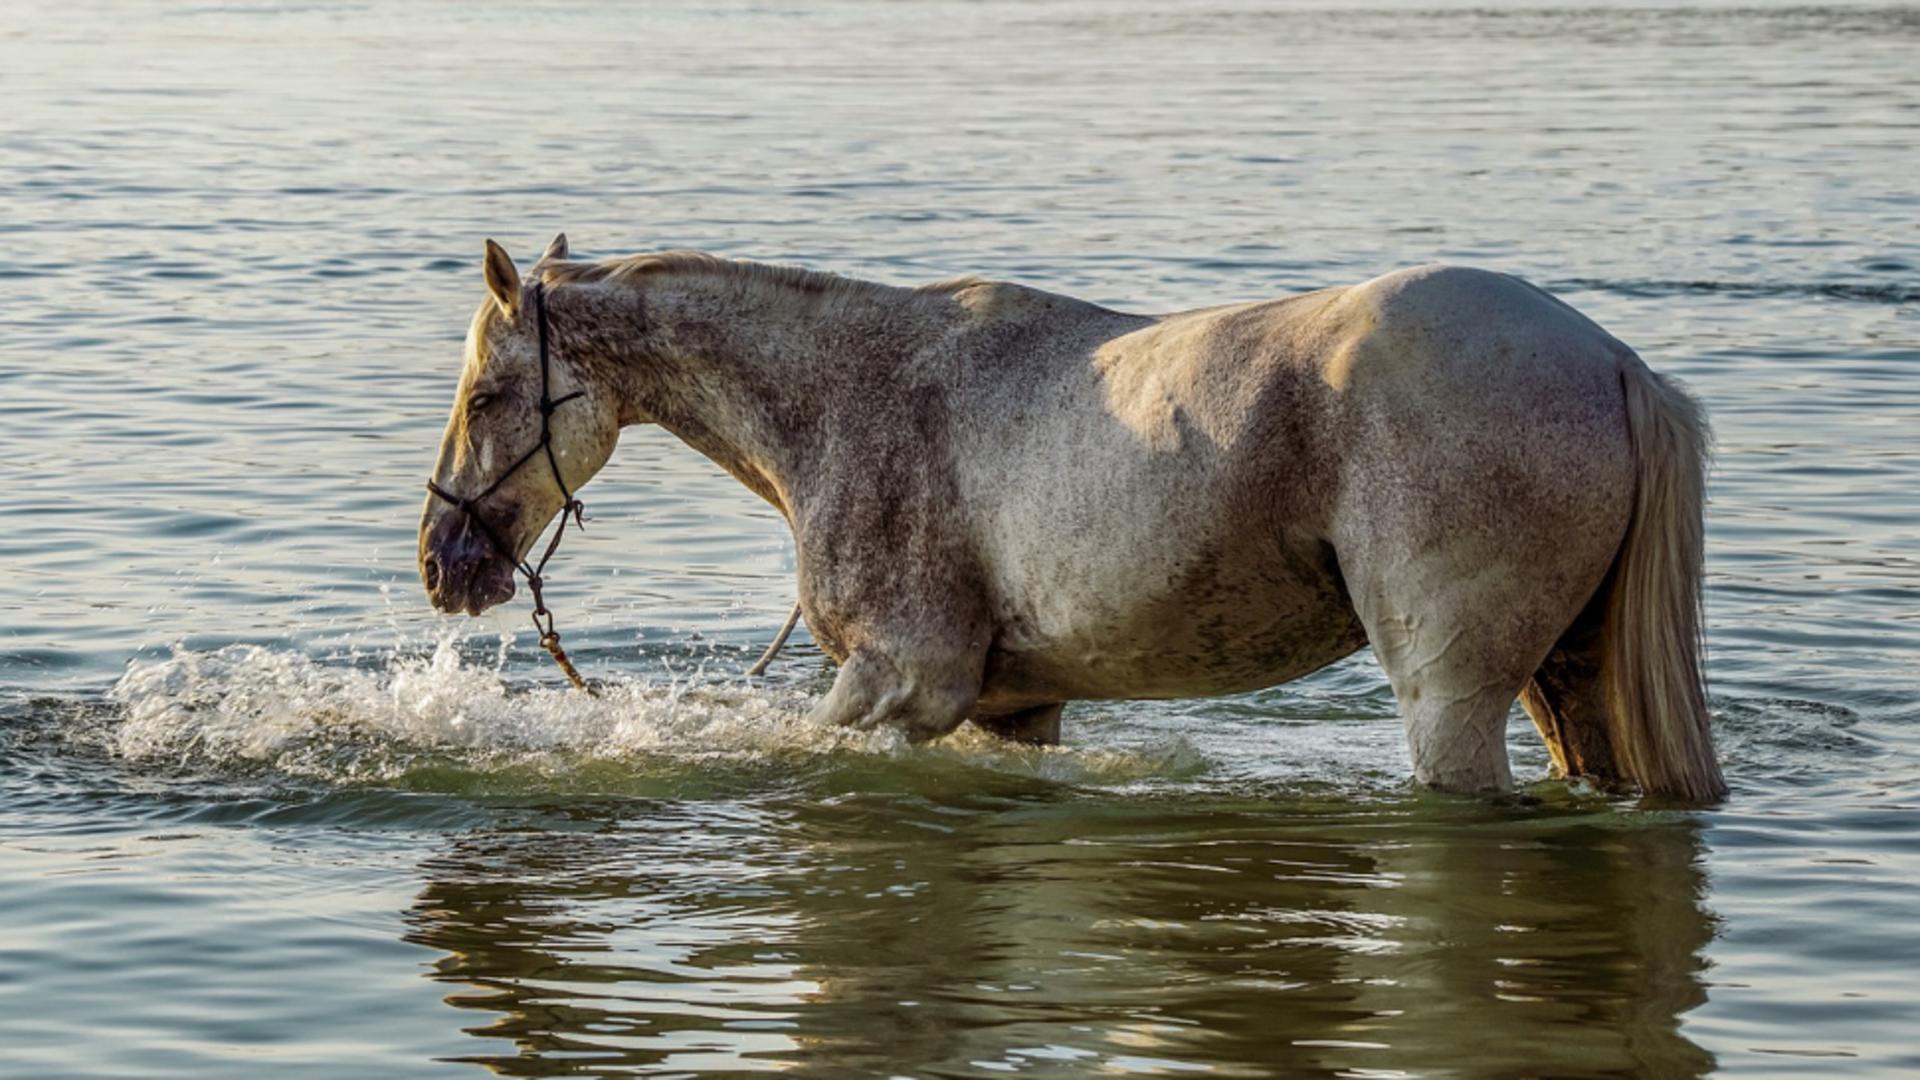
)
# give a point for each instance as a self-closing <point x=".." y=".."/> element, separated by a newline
<point x="470" y="506"/>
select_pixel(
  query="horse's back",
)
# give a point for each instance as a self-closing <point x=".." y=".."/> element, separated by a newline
<point x="1431" y="385"/>
<point x="1300" y="397"/>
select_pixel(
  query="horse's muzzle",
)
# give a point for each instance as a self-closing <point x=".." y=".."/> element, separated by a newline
<point x="459" y="567"/>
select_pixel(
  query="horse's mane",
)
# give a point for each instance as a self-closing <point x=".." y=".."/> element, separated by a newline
<point x="633" y="269"/>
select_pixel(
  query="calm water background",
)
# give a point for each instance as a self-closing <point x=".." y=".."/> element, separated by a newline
<point x="263" y="814"/>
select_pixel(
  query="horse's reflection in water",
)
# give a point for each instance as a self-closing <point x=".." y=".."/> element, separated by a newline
<point x="938" y="935"/>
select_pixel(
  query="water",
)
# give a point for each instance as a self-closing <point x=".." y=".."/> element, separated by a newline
<point x="263" y="813"/>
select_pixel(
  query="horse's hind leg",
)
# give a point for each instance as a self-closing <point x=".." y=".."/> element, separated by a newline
<point x="1038" y="726"/>
<point x="1567" y="701"/>
<point x="1457" y="649"/>
<point x="1454" y="706"/>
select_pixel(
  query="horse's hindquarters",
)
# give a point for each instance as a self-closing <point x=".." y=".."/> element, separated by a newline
<point x="1485" y="497"/>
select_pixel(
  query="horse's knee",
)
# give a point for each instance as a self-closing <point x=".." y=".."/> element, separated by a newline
<point x="934" y="710"/>
<point x="873" y="690"/>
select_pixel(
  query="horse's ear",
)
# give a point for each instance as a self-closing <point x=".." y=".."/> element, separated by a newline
<point x="556" y="251"/>
<point x="503" y="281"/>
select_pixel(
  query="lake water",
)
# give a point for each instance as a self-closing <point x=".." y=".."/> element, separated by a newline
<point x="262" y="813"/>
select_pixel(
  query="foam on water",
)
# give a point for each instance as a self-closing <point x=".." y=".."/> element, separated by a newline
<point x="438" y="720"/>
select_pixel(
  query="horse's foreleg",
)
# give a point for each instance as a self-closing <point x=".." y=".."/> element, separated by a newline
<point x="925" y="696"/>
<point x="1038" y="726"/>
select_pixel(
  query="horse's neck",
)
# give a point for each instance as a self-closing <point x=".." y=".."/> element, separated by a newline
<point x="743" y="366"/>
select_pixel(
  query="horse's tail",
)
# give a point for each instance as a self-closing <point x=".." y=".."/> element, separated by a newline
<point x="1652" y="643"/>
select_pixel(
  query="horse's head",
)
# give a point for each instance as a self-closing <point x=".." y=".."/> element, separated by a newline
<point x="498" y="484"/>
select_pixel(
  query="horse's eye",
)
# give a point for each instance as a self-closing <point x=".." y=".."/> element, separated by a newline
<point x="479" y="401"/>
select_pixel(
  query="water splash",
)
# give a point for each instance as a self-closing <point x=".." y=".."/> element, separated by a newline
<point x="440" y="723"/>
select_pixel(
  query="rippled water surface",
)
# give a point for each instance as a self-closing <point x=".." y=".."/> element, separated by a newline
<point x="263" y="814"/>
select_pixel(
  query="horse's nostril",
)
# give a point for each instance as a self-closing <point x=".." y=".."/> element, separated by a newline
<point x="430" y="573"/>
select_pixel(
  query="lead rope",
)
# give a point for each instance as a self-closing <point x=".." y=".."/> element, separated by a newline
<point x="550" y="637"/>
<point x="571" y="508"/>
<point x="773" y="650"/>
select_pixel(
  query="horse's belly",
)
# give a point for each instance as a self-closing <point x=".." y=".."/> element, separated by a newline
<point x="1217" y="630"/>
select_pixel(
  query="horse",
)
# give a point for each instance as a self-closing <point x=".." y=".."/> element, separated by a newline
<point x="1004" y="499"/>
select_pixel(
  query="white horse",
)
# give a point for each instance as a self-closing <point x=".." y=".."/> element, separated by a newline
<point x="1004" y="499"/>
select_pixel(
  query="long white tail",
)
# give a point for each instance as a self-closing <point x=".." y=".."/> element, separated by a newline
<point x="1652" y="644"/>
